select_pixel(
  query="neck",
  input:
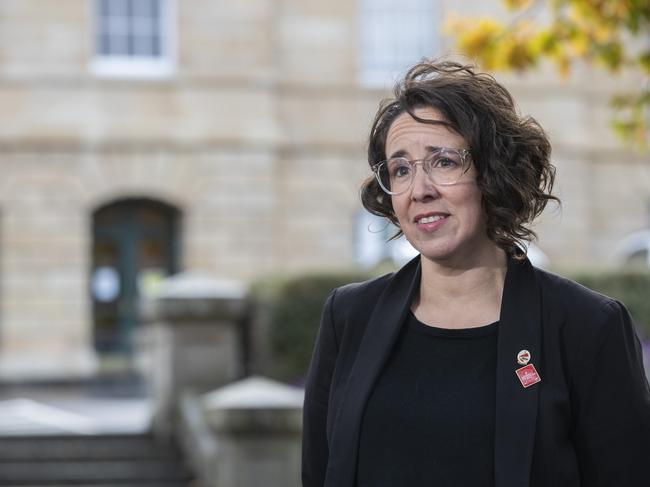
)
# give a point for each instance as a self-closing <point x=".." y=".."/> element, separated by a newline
<point x="467" y="295"/>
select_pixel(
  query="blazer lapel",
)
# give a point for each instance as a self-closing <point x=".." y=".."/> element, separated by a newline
<point x="516" y="406"/>
<point x="379" y="337"/>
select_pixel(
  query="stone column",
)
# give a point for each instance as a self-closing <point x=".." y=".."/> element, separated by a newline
<point x="257" y="425"/>
<point x="192" y="341"/>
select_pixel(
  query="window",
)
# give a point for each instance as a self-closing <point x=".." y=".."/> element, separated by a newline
<point x="133" y="38"/>
<point x="394" y="35"/>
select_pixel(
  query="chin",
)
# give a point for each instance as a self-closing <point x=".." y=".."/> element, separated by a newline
<point x="454" y="252"/>
<point x="436" y="253"/>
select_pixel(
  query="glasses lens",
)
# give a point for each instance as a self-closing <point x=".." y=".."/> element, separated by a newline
<point x="395" y="175"/>
<point x="445" y="166"/>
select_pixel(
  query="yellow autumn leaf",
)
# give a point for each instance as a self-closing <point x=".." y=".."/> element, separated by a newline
<point x="580" y="45"/>
<point x="563" y="62"/>
<point x="543" y="43"/>
<point x="517" y="4"/>
<point x="480" y="36"/>
<point x="519" y="56"/>
<point x="644" y="62"/>
<point x="602" y="33"/>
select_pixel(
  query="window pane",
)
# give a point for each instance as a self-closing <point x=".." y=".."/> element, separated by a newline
<point x="103" y="8"/>
<point x="144" y="8"/>
<point x="117" y="8"/>
<point x="395" y="34"/>
<point x="103" y="45"/>
<point x="142" y="27"/>
<point x="129" y="28"/>
<point x="143" y="46"/>
<point x="156" y="48"/>
<point x="118" y="26"/>
<point x="118" y="45"/>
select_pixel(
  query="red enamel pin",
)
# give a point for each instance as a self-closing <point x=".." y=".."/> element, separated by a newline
<point x="528" y="375"/>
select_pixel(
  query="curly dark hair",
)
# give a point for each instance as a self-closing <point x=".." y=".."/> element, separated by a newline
<point x="511" y="152"/>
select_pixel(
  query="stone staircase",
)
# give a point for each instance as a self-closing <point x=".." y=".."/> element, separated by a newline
<point x="124" y="460"/>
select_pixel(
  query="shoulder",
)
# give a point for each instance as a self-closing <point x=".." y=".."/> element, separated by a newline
<point x="586" y="316"/>
<point x="363" y="296"/>
<point x="350" y="295"/>
<point x="571" y="296"/>
<point x="355" y="303"/>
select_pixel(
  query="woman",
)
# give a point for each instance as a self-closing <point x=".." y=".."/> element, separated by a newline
<point x="470" y="367"/>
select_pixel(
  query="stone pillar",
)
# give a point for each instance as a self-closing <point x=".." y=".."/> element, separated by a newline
<point x="257" y="424"/>
<point x="192" y="341"/>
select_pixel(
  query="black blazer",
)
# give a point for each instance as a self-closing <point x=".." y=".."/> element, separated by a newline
<point x="587" y="423"/>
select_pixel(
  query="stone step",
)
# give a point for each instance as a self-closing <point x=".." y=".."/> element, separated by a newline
<point x="97" y="461"/>
<point x="156" y="483"/>
<point x="91" y="472"/>
<point x="116" y="447"/>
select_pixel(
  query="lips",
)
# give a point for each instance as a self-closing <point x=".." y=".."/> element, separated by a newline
<point x="429" y="223"/>
<point x="425" y="218"/>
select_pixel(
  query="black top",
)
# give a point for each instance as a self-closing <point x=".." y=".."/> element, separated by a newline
<point x="429" y="420"/>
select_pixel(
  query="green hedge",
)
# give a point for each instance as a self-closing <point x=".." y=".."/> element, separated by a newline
<point x="632" y="288"/>
<point x="293" y="305"/>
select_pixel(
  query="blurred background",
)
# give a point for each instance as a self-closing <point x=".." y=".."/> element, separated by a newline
<point x="208" y="150"/>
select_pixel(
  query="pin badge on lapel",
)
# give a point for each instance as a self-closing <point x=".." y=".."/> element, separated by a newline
<point x="523" y="357"/>
<point x="527" y="375"/>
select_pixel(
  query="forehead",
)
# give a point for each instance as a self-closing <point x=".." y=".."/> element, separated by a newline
<point x="406" y="133"/>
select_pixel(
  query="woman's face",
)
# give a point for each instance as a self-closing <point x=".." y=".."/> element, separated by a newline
<point x="446" y="224"/>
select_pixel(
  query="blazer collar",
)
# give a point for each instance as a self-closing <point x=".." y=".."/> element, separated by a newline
<point x="516" y="407"/>
<point x="520" y="328"/>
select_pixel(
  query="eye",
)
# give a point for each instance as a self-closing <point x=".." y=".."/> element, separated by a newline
<point x="445" y="161"/>
<point x="399" y="168"/>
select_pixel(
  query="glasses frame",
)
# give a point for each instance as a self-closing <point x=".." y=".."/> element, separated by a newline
<point x="462" y="153"/>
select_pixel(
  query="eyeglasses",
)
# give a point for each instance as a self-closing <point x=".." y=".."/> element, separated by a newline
<point x="444" y="167"/>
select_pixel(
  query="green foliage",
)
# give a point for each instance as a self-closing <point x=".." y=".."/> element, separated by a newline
<point x="632" y="288"/>
<point x="293" y="306"/>
<point x="609" y="34"/>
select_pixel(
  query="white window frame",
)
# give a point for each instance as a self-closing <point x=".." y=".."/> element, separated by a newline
<point x="401" y="32"/>
<point x="139" y="67"/>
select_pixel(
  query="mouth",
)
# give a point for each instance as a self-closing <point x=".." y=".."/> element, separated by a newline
<point x="430" y="218"/>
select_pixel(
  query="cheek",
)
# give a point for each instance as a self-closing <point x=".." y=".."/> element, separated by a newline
<point x="478" y="213"/>
<point x="399" y="206"/>
<point x="472" y="204"/>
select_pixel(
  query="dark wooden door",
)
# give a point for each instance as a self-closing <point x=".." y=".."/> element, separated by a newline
<point x="134" y="247"/>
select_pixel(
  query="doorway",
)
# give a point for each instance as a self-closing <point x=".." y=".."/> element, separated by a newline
<point x="135" y="246"/>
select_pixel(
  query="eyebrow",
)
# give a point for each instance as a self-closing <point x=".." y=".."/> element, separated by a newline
<point x="430" y="149"/>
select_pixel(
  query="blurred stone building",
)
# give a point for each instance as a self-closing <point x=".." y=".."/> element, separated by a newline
<point x="139" y="138"/>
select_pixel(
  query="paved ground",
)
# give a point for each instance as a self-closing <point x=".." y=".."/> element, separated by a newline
<point x="100" y="406"/>
<point x="25" y="416"/>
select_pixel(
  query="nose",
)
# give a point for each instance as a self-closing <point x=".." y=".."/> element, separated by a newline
<point x="423" y="188"/>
